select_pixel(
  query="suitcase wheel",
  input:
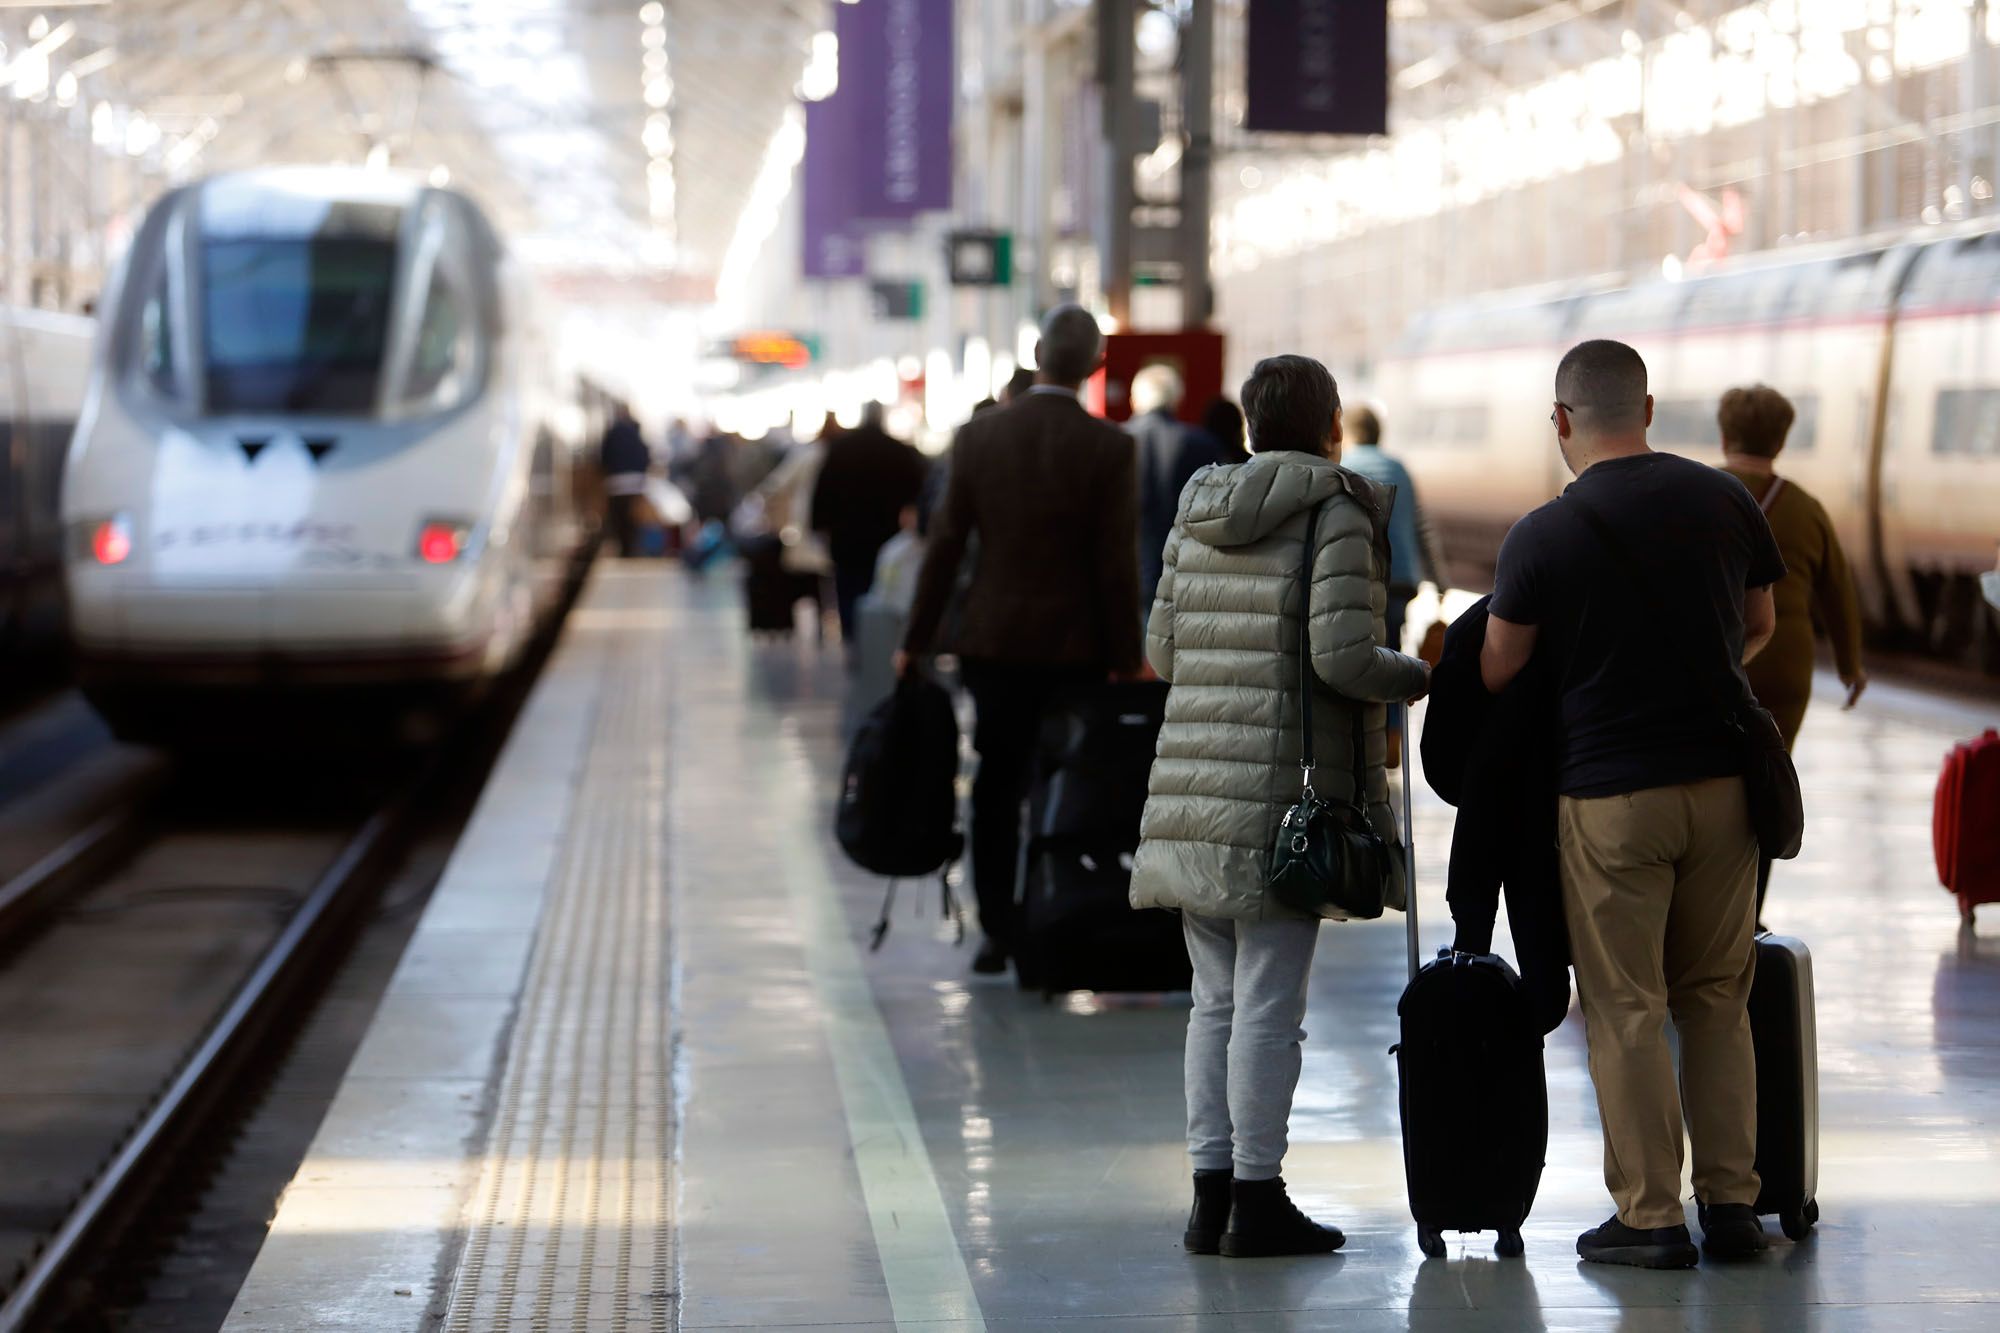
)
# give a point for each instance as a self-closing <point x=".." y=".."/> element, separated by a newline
<point x="1430" y="1242"/>
<point x="1798" y="1225"/>
<point x="1509" y="1246"/>
<point x="1812" y="1212"/>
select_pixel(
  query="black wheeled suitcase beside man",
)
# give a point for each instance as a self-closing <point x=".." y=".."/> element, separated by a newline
<point x="1783" y="1026"/>
<point x="1473" y="1089"/>
<point x="1078" y="930"/>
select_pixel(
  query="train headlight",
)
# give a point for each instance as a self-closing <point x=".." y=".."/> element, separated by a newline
<point x="442" y="540"/>
<point x="104" y="541"/>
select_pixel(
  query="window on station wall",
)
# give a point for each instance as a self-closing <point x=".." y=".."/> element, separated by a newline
<point x="1967" y="423"/>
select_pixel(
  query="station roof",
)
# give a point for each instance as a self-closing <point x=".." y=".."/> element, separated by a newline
<point x="540" y="107"/>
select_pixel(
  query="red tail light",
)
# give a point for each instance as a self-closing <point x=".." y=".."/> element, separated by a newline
<point x="111" y="543"/>
<point x="441" y="543"/>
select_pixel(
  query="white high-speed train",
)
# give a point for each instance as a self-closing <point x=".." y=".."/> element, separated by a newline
<point x="1889" y="350"/>
<point x="322" y="457"/>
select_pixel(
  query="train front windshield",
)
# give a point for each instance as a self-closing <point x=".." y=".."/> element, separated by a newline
<point x="295" y="325"/>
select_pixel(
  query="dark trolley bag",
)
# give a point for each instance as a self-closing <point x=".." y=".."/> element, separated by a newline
<point x="1078" y="930"/>
<point x="1783" y="1027"/>
<point x="1473" y="1092"/>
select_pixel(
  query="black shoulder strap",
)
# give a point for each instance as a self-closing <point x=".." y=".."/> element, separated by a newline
<point x="1306" y="676"/>
<point x="1666" y="629"/>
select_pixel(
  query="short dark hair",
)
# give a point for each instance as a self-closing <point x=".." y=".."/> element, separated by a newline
<point x="1362" y="425"/>
<point x="1755" y="420"/>
<point x="1289" y="403"/>
<point x="1604" y="383"/>
<point x="1018" y="383"/>
<point x="1069" y="345"/>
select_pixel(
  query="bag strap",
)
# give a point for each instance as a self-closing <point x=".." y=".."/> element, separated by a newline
<point x="1662" y="618"/>
<point x="1306" y="676"/>
<point x="1771" y="495"/>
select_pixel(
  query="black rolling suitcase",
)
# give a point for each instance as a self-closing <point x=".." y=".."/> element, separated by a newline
<point x="1077" y="927"/>
<point x="770" y="591"/>
<point x="1783" y="1026"/>
<point x="1473" y="1091"/>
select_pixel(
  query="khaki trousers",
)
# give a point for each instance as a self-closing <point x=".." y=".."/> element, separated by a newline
<point x="1659" y="890"/>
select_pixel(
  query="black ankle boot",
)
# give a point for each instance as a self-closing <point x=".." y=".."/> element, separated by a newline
<point x="1264" y="1223"/>
<point x="1211" y="1212"/>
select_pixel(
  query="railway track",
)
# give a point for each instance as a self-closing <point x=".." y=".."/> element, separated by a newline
<point x="155" y="968"/>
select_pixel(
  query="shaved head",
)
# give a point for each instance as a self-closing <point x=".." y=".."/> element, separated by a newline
<point x="1603" y="384"/>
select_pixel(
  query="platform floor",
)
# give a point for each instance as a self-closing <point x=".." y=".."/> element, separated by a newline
<point x="638" y="1070"/>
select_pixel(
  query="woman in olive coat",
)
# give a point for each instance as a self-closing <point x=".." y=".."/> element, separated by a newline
<point x="1224" y="631"/>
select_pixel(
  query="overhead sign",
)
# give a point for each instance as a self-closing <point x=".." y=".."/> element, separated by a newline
<point x="774" y="348"/>
<point x="832" y="240"/>
<point x="1318" y="67"/>
<point x="897" y="71"/>
<point x="896" y="298"/>
<point x="980" y="258"/>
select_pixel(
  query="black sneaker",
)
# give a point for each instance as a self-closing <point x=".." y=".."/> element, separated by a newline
<point x="1265" y="1223"/>
<point x="1731" y="1231"/>
<point x="1616" y="1243"/>
<point x="1210" y="1215"/>
<point x="991" y="959"/>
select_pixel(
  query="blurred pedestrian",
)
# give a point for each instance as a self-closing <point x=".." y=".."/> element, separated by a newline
<point x="1018" y="384"/>
<point x="866" y="480"/>
<point x="1650" y="579"/>
<point x="1170" y="452"/>
<point x="1225" y="631"/>
<point x="1754" y="424"/>
<point x="1223" y="420"/>
<point x="1989" y="584"/>
<point x="1414" y="553"/>
<point x="625" y="459"/>
<point x="1051" y="495"/>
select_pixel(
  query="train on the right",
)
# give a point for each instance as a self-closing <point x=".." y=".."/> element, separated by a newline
<point x="1889" y="350"/>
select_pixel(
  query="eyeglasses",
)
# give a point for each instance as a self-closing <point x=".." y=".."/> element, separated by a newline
<point x="1552" y="411"/>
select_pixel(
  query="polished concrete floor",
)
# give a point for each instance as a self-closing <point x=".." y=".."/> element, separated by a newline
<point x="879" y="1141"/>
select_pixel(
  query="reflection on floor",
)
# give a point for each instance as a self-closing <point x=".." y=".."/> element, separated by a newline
<point x="1052" y="1132"/>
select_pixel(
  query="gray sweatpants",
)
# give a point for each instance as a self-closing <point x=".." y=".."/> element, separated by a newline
<point x="1243" y="1039"/>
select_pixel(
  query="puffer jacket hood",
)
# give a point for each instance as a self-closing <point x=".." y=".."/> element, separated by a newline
<point x="1234" y="506"/>
<point x="1225" y="632"/>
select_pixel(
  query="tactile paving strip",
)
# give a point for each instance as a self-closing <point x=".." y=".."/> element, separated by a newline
<point x="570" y="1225"/>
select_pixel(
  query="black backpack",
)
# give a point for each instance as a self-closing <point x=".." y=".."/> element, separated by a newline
<point x="898" y="812"/>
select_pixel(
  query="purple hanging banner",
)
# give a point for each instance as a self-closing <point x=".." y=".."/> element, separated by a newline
<point x="833" y="246"/>
<point x="1318" y="67"/>
<point x="896" y="63"/>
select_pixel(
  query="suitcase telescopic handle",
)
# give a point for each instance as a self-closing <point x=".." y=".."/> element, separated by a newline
<point x="1401" y="714"/>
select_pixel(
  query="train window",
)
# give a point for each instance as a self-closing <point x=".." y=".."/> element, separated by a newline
<point x="1967" y="422"/>
<point x="156" y="340"/>
<point x="442" y="353"/>
<point x="1451" y="425"/>
<point x="295" y="324"/>
<point x="1688" y="425"/>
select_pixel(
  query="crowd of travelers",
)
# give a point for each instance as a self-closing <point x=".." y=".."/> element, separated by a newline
<point x="1272" y="551"/>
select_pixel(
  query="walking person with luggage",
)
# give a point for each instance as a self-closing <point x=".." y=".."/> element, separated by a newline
<point x="1226" y="631"/>
<point x="1650" y="580"/>
<point x="1754" y="422"/>
<point x="625" y="459"/>
<point x="1051" y="494"/>
<point x="866" y="480"/>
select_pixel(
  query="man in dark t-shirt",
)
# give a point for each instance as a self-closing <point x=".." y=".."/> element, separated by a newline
<point x="1659" y="861"/>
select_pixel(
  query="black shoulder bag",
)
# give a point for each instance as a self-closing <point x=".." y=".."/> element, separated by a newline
<point x="1770" y="781"/>
<point x="1328" y="860"/>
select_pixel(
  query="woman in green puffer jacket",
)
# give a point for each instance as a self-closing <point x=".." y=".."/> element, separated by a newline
<point x="1224" y="631"/>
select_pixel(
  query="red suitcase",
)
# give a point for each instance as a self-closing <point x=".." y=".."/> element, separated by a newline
<point x="1965" y="823"/>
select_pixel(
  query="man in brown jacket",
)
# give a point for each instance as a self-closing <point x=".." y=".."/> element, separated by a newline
<point x="1052" y="494"/>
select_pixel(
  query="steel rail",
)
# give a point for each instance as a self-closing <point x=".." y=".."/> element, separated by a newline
<point x="340" y="891"/>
